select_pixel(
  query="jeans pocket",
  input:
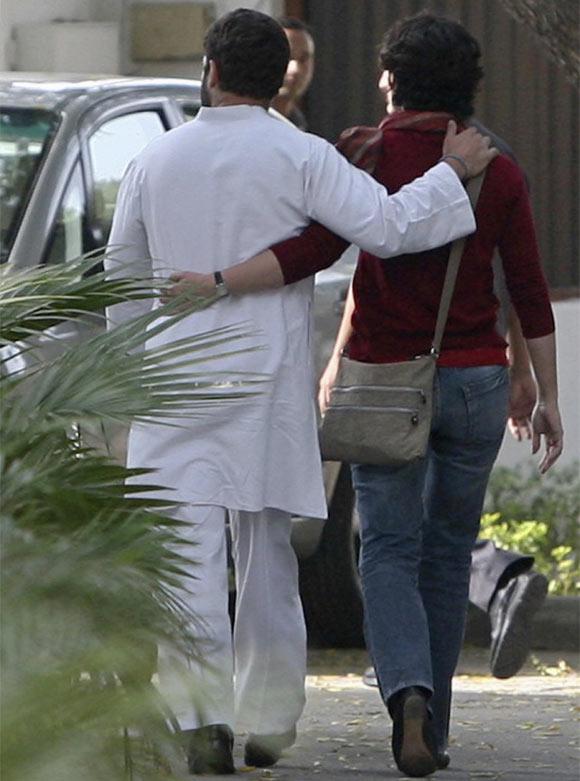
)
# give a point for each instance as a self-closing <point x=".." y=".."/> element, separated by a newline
<point x="486" y="397"/>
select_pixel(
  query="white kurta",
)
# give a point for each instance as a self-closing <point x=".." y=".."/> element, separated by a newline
<point x="210" y="194"/>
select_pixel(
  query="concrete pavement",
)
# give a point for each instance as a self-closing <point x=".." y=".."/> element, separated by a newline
<point x="524" y="729"/>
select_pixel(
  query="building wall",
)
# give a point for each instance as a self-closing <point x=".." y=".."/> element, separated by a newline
<point x="113" y="9"/>
<point x="14" y="12"/>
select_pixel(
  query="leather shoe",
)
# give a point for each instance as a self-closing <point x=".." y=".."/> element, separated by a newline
<point x="266" y="750"/>
<point x="209" y="750"/>
<point x="442" y="760"/>
<point x="511" y="614"/>
<point x="370" y="677"/>
<point x="413" y="740"/>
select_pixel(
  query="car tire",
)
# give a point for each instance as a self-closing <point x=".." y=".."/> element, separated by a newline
<point x="329" y="580"/>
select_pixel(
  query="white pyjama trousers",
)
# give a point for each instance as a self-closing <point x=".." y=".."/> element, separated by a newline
<point x="253" y="682"/>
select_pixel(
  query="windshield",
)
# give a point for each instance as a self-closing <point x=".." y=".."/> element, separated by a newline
<point x="24" y="138"/>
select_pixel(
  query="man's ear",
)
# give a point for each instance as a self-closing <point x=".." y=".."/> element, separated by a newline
<point x="213" y="78"/>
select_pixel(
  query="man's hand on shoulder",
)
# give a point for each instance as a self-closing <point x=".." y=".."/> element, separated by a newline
<point x="468" y="152"/>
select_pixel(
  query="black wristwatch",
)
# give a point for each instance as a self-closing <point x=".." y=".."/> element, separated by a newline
<point x="220" y="286"/>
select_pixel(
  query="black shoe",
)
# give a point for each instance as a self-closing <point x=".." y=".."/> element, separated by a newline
<point x="442" y="760"/>
<point x="266" y="750"/>
<point x="413" y="740"/>
<point x="370" y="677"/>
<point x="511" y="613"/>
<point x="209" y="750"/>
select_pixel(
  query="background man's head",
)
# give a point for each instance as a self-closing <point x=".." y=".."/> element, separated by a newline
<point x="301" y="65"/>
<point x="250" y="51"/>
<point x="434" y="64"/>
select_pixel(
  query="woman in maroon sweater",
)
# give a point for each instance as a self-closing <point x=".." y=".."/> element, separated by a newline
<point x="419" y="521"/>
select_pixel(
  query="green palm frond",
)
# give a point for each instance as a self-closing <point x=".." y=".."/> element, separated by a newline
<point x="36" y="300"/>
<point x="90" y="564"/>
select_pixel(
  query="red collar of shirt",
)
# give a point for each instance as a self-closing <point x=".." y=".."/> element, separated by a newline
<point x="422" y="121"/>
<point x="363" y="145"/>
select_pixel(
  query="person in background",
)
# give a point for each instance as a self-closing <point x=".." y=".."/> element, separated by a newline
<point x="419" y="522"/>
<point x="231" y="181"/>
<point x="503" y="583"/>
<point x="299" y="72"/>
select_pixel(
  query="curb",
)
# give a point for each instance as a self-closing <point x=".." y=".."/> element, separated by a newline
<point x="556" y="626"/>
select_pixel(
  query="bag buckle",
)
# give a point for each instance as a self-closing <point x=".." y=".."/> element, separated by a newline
<point x="433" y="353"/>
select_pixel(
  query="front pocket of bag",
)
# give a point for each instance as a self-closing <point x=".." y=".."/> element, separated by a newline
<point x="371" y="434"/>
<point x="377" y="396"/>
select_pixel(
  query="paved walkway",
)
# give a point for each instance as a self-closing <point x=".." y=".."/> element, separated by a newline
<point x="523" y="729"/>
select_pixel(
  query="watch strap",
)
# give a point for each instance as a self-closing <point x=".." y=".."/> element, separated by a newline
<point x="220" y="285"/>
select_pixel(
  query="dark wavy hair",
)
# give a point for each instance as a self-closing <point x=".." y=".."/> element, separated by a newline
<point x="435" y="62"/>
<point x="251" y="51"/>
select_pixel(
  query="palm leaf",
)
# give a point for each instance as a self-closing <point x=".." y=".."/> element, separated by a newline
<point x="90" y="564"/>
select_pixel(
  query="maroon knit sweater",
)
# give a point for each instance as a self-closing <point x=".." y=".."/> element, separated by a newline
<point x="396" y="300"/>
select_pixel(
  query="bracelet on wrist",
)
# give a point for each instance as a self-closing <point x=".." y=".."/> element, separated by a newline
<point x="460" y="160"/>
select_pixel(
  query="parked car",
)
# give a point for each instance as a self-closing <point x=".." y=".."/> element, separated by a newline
<point x="64" y="146"/>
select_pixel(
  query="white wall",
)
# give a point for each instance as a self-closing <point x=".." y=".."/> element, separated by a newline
<point x="19" y="11"/>
<point x="192" y="69"/>
<point x="567" y="315"/>
<point x="14" y="12"/>
<point x="112" y="9"/>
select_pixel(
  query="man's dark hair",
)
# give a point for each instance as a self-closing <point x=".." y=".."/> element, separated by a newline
<point x="435" y="63"/>
<point x="291" y="23"/>
<point x="251" y="52"/>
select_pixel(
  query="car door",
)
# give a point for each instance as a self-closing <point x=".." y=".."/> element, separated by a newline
<point x="108" y="145"/>
<point x="110" y="137"/>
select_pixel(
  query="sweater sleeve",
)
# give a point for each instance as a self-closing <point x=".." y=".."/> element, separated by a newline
<point x="429" y="212"/>
<point x="317" y="247"/>
<point x="314" y="249"/>
<point x="524" y="275"/>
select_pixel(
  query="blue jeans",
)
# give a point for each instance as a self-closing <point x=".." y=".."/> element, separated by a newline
<point x="418" y="525"/>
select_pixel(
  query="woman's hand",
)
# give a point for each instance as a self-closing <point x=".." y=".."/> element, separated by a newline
<point x="327" y="382"/>
<point x="546" y="422"/>
<point x="522" y="400"/>
<point x="189" y="282"/>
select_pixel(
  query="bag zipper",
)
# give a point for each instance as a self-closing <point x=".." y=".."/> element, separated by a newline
<point x="380" y="389"/>
<point x="363" y="408"/>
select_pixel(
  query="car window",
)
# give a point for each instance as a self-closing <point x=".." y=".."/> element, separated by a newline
<point x="190" y="110"/>
<point x="68" y="237"/>
<point x="111" y="149"/>
<point x="25" y="136"/>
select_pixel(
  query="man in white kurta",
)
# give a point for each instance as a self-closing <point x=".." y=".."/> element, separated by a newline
<point x="203" y="197"/>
